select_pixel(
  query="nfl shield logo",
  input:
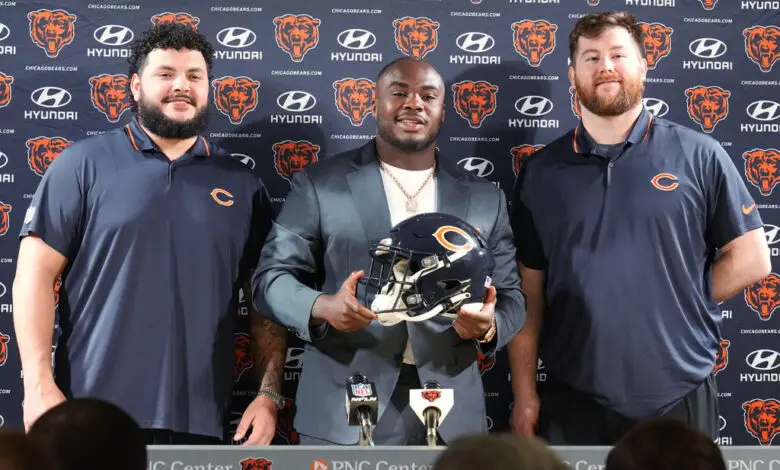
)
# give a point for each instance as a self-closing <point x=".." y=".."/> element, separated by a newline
<point x="361" y="390"/>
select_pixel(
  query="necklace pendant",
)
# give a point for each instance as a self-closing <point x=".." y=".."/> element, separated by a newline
<point x="411" y="206"/>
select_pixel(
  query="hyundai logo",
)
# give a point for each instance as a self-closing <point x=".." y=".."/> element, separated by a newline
<point x="113" y="35"/>
<point x="236" y="37"/>
<point x="489" y="423"/>
<point x="707" y="48"/>
<point x="3" y="160"/>
<point x="764" y="110"/>
<point x="50" y="97"/>
<point x="296" y="101"/>
<point x="772" y="233"/>
<point x="539" y="364"/>
<point x="659" y="108"/>
<point x="478" y="166"/>
<point x="4" y="32"/>
<point x="2" y="421"/>
<point x="763" y="359"/>
<point x="356" y="39"/>
<point x="246" y="160"/>
<point x="475" y="42"/>
<point x="294" y="358"/>
<point x="533" y="105"/>
<point x="2" y="290"/>
<point x="721" y="422"/>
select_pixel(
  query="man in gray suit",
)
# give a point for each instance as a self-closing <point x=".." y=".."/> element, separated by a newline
<point x="318" y="248"/>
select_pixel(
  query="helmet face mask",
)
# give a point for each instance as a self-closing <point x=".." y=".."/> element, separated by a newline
<point x="429" y="265"/>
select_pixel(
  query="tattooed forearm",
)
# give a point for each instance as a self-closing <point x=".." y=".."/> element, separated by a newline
<point x="269" y="350"/>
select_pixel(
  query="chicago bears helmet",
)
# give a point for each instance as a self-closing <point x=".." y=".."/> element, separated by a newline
<point x="430" y="264"/>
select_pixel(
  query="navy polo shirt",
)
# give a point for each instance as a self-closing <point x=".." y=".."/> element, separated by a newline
<point x="627" y="236"/>
<point x="156" y="251"/>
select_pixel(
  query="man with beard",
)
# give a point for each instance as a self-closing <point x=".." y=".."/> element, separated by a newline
<point x="318" y="249"/>
<point x="144" y="235"/>
<point x="630" y="230"/>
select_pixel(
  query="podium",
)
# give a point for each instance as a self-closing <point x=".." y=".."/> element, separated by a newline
<point x="389" y="457"/>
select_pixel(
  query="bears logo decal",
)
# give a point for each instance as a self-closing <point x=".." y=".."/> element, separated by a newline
<point x="761" y="169"/>
<point x="762" y="46"/>
<point x="763" y="297"/>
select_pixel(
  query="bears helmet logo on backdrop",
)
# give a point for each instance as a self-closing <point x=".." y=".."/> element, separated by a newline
<point x="762" y="169"/>
<point x="656" y="42"/>
<point x="763" y="297"/>
<point x="235" y="97"/>
<point x="292" y="156"/>
<point x="534" y="40"/>
<point x="51" y="30"/>
<point x="762" y="46"/>
<point x="354" y="98"/>
<point x="41" y="151"/>
<point x="762" y="419"/>
<point x="109" y="95"/>
<point x="176" y="18"/>
<point x="5" y="89"/>
<point x="707" y="105"/>
<point x="416" y="37"/>
<point x="474" y="101"/>
<point x="297" y="34"/>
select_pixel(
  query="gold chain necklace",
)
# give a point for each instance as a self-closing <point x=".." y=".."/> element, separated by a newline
<point x="411" y="203"/>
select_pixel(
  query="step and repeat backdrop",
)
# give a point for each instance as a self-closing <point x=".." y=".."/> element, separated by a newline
<point x="304" y="73"/>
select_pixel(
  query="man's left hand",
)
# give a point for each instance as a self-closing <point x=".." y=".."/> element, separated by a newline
<point x="261" y="416"/>
<point x="474" y="319"/>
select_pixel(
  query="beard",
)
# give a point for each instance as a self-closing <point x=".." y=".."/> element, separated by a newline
<point x="628" y="96"/>
<point x="386" y="130"/>
<point x="153" y="118"/>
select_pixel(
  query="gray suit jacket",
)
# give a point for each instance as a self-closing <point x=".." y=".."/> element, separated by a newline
<point x="334" y="209"/>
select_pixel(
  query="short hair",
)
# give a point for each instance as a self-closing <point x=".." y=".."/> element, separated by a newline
<point x="667" y="443"/>
<point x="19" y="451"/>
<point x="167" y="36"/>
<point x="591" y="26"/>
<point x="85" y="433"/>
<point x="498" y="452"/>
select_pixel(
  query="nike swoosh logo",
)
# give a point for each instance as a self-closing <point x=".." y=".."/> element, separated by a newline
<point x="748" y="210"/>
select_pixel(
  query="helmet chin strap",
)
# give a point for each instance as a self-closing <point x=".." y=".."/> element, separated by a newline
<point x="392" y="300"/>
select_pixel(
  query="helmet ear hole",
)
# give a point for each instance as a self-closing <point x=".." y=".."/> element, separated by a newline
<point x="449" y="284"/>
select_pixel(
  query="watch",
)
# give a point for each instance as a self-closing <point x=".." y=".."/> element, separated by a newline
<point x="491" y="332"/>
<point x="275" y="397"/>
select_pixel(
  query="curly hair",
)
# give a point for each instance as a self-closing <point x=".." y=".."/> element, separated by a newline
<point x="167" y="36"/>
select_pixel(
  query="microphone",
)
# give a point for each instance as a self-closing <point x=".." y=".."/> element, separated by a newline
<point x="431" y="404"/>
<point x="362" y="403"/>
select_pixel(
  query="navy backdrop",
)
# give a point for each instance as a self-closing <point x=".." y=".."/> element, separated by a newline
<point x="296" y="78"/>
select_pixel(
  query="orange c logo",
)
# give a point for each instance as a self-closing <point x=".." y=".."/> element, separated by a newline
<point x="224" y="202"/>
<point x="664" y="187"/>
<point x="440" y="236"/>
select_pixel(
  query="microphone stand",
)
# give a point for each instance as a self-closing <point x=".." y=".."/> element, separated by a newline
<point x="366" y="436"/>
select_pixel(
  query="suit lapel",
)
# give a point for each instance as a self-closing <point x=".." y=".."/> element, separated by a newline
<point x="452" y="195"/>
<point x="368" y="194"/>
